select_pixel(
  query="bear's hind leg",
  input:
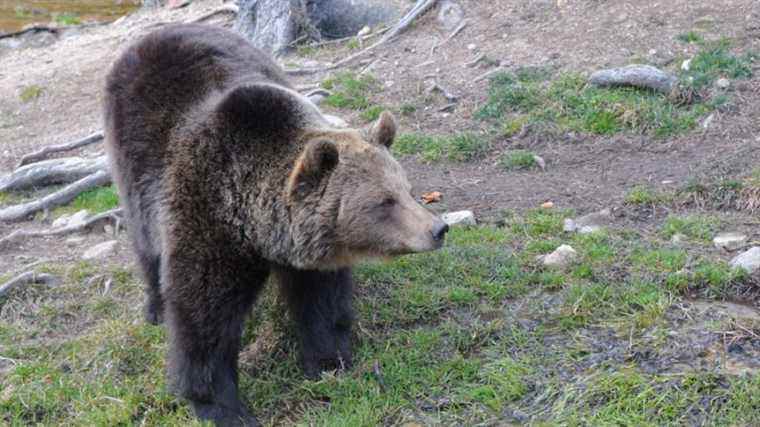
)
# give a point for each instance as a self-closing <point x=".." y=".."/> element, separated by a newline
<point x="320" y="304"/>
<point x="154" y="303"/>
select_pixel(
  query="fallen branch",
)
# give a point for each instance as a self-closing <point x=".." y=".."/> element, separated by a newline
<point x="419" y="9"/>
<point x="45" y="151"/>
<point x="65" y="195"/>
<point x="88" y="224"/>
<point x="489" y="73"/>
<point x="28" y="278"/>
<point x="55" y="171"/>
<point x="32" y="29"/>
<point x="229" y="8"/>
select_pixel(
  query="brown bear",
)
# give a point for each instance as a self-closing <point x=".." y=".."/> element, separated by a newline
<point x="228" y="175"/>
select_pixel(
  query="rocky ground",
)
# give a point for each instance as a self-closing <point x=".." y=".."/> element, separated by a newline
<point x="599" y="287"/>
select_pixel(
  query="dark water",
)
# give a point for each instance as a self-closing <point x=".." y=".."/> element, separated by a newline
<point x="15" y="14"/>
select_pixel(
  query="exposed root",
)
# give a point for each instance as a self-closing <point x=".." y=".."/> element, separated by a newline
<point x="45" y="151"/>
<point x="49" y="172"/>
<point x="28" y="278"/>
<point x="418" y="10"/>
<point x="113" y="216"/>
<point x="65" y="195"/>
<point x="229" y="8"/>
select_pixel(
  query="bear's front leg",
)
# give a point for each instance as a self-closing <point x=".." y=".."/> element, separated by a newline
<point x="320" y="304"/>
<point x="206" y="302"/>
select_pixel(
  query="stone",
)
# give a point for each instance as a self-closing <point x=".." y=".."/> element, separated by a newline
<point x="540" y="161"/>
<point x="472" y="46"/>
<point x="561" y="257"/>
<point x="730" y="241"/>
<point x="75" y="240"/>
<point x="678" y="239"/>
<point x="748" y="260"/>
<point x="364" y="31"/>
<point x="450" y="14"/>
<point x="642" y="76"/>
<point x="459" y="218"/>
<point x="100" y="251"/>
<point x="108" y="229"/>
<point x="708" y="121"/>
<point x="686" y="65"/>
<point x="723" y="83"/>
<point x="589" y="223"/>
<point x="70" y="220"/>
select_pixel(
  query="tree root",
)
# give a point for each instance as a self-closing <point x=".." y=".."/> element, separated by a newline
<point x="49" y="172"/>
<point x="45" y="151"/>
<point x="113" y="215"/>
<point x="403" y="24"/>
<point x="28" y="278"/>
<point x="65" y="195"/>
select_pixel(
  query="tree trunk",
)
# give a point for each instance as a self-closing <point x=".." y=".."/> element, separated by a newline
<point x="273" y="25"/>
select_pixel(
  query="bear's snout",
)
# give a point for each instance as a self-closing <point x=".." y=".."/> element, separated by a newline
<point x="439" y="230"/>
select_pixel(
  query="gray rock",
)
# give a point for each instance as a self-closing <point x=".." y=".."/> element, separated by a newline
<point x="459" y="218"/>
<point x="686" y="65"/>
<point x="642" y="76"/>
<point x="335" y="121"/>
<point x="730" y="240"/>
<point x="561" y="257"/>
<point x="100" y="251"/>
<point x="748" y="260"/>
<point x="589" y="223"/>
<point x="450" y="14"/>
<point x="678" y="239"/>
<point x="723" y="83"/>
<point x="70" y="220"/>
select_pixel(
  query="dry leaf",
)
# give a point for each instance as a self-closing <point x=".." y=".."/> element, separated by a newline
<point x="432" y="197"/>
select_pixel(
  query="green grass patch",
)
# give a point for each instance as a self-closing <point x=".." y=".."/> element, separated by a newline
<point x="455" y="148"/>
<point x="695" y="227"/>
<point x="715" y="60"/>
<point x="29" y="93"/>
<point x="691" y="37"/>
<point x="350" y="90"/>
<point x="67" y="19"/>
<point x="567" y="103"/>
<point x="517" y="159"/>
<point x="95" y="201"/>
<point x="645" y="195"/>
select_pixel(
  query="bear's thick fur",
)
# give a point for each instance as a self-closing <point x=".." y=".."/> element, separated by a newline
<point x="228" y="175"/>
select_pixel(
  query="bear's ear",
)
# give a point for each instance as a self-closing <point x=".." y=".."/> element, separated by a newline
<point x="317" y="161"/>
<point x="383" y="132"/>
<point x="262" y="108"/>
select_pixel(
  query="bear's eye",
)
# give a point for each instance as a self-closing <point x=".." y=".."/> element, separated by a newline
<point x="388" y="202"/>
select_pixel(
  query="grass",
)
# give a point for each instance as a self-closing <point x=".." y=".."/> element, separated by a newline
<point x="67" y="19"/>
<point x="95" y="201"/>
<point x="691" y="37"/>
<point x="644" y="195"/>
<point x="565" y="103"/>
<point x="29" y="93"/>
<point x="696" y="227"/>
<point x="715" y="60"/>
<point x="352" y="91"/>
<point x="517" y="159"/>
<point x="466" y="335"/>
<point x="461" y="147"/>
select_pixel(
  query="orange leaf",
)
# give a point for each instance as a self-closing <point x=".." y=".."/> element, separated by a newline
<point x="432" y="197"/>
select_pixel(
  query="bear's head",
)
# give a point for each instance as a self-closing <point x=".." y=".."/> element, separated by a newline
<point x="355" y="185"/>
<point x="347" y="198"/>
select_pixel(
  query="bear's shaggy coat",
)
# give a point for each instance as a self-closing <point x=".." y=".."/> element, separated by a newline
<point x="228" y="175"/>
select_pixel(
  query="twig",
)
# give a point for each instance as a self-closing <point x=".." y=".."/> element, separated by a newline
<point x="65" y="195"/>
<point x="475" y="61"/>
<point x="488" y="74"/>
<point x="453" y="34"/>
<point x="419" y="8"/>
<point x="378" y="375"/>
<point x="89" y="223"/>
<point x="27" y="278"/>
<point x="451" y="97"/>
<point x="45" y="151"/>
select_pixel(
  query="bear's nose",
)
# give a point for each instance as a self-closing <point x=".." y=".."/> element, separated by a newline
<point x="439" y="230"/>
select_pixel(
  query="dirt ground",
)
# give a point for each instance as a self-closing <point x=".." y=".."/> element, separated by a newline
<point x="584" y="173"/>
